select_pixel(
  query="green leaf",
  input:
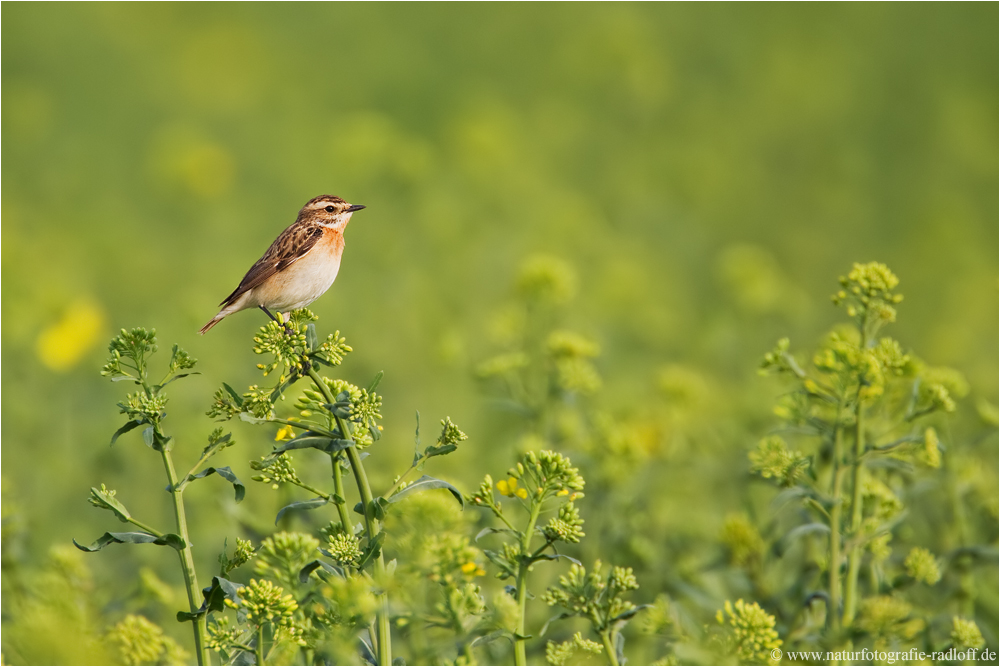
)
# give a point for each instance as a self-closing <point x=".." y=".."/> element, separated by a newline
<point x="312" y="340"/>
<point x="340" y="409"/>
<point x="799" y="532"/>
<point x="441" y="450"/>
<point x="316" y="564"/>
<point x="557" y="557"/>
<point x="301" y="505"/>
<point x="492" y="637"/>
<point x="427" y="483"/>
<point x="215" y="597"/>
<point x="372" y="551"/>
<point x="112" y="504"/>
<point x="224" y="472"/>
<point x="176" y="377"/>
<point x="250" y="419"/>
<point x="620" y="648"/>
<point x="309" y="439"/>
<point x="367" y="654"/>
<point x="216" y="445"/>
<point x="379" y="507"/>
<point x="154" y="439"/>
<point x="374" y="385"/>
<point x="169" y="540"/>
<point x="232" y="392"/>
<point x="626" y="615"/>
<point x="135" y="423"/>
<point x="488" y="531"/>
<point x="501" y="562"/>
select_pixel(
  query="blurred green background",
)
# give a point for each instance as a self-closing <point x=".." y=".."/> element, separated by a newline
<point x="707" y="170"/>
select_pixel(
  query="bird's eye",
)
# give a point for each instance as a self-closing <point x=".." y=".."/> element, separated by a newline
<point x="329" y="209"/>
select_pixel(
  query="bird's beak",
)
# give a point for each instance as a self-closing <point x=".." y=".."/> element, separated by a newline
<point x="355" y="207"/>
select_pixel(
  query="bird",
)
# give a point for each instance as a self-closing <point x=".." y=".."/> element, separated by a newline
<point x="300" y="265"/>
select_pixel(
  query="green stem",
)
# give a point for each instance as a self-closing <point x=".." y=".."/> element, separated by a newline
<point x="140" y="524"/>
<point x="835" y="519"/>
<point x="338" y="490"/>
<point x="520" y="657"/>
<point x="609" y="648"/>
<point x="372" y="526"/>
<point x="260" y="644"/>
<point x="187" y="562"/>
<point x="402" y="478"/>
<point x="857" y="500"/>
<point x="312" y="489"/>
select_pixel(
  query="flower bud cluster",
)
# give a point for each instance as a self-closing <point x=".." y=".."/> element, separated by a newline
<point x="484" y="496"/>
<point x="334" y="349"/>
<point x="546" y="279"/>
<point x="567" y="526"/>
<point x="450" y="434"/>
<point x="141" y="405"/>
<point x="264" y="602"/>
<point x="773" y="459"/>
<point x="867" y="292"/>
<point x="142" y="642"/>
<point x="922" y="566"/>
<point x="453" y="559"/>
<point x="594" y="598"/>
<point x="276" y="470"/>
<point x="966" y="634"/>
<point x="131" y="346"/>
<point x="560" y="654"/>
<point x="283" y="555"/>
<point x="221" y="635"/>
<point x="257" y="401"/>
<point x="344" y="548"/>
<point x="549" y="473"/>
<point x="753" y="637"/>
<point x="223" y="406"/>
<point x="288" y="348"/>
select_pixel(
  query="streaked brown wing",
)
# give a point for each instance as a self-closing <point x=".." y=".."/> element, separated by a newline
<point x="291" y="245"/>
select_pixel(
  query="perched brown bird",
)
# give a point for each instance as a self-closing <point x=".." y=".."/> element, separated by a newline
<point x="299" y="266"/>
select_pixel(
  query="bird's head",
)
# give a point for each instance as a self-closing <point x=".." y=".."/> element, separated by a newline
<point x="330" y="211"/>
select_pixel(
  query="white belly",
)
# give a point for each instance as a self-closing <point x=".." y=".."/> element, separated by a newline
<point x="300" y="284"/>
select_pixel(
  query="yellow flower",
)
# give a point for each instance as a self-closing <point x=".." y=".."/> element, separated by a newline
<point x="285" y="433"/>
<point x="509" y="488"/>
<point x="62" y="344"/>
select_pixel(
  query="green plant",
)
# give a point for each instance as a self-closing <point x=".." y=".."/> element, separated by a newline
<point x="339" y="421"/>
<point x="129" y="362"/>
<point x="859" y="417"/>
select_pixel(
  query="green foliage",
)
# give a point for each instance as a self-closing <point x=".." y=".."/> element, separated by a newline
<point x="864" y="413"/>
<point x="701" y="175"/>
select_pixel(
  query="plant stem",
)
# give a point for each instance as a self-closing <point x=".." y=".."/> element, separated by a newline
<point x="857" y="508"/>
<point x="260" y="644"/>
<point x="338" y="490"/>
<point x="833" y="614"/>
<point x="187" y="562"/>
<point x="609" y="648"/>
<point x="140" y="524"/>
<point x="371" y="525"/>
<point x="520" y="657"/>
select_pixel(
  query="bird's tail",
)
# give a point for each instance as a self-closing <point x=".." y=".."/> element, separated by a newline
<point x="211" y="323"/>
<point x="228" y="309"/>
